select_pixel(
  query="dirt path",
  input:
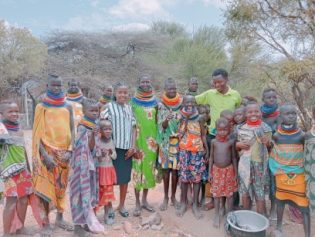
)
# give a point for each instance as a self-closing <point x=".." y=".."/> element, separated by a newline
<point x="173" y="225"/>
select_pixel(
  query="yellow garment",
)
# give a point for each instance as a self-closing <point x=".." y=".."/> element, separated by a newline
<point x="52" y="127"/>
<point x="292" y="188"/>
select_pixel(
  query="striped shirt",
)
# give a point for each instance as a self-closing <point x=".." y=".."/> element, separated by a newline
<point x="123" y="121"/>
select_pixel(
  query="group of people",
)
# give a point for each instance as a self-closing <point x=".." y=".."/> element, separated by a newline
<point x="246" y="151"/>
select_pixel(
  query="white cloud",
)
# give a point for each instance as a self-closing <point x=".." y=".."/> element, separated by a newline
<point x="94" y="3"/>
<point x="93" y="22"/>
<point x="131" y="27"/>
<point x="138" y="8"/>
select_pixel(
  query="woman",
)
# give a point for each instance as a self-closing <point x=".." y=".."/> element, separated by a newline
<point x="144" y="106"/>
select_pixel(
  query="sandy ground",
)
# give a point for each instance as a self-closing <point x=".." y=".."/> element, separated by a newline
<point x="173" y="226"/>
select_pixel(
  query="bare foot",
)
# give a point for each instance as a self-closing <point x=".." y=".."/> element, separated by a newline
<point x="163" y="206"/>
<point x="24" y="231"/>
<point x="175" y="203"/>
<point x="197" y="212"/>
<point x="80" y="232"/>
<point x="64" y="225"/>
<point x="145" y="205"/>
<point x="137" y="211"/>
<point x="216" y="221"/>
<point x="46" y="231"/>
<point x="181" y="210"/>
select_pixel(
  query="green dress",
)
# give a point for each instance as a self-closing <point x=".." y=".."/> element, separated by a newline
<point x="143" y="169"/>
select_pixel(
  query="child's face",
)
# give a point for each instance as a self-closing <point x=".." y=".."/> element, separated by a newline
<point x="253" y="113"/>
<point x="270" y="98"/>
<point x="239" y="115"/>
<point x="171" y="90"/>
<point x="189" y="103"/>
<point x="92" y="111"/>
<point x="11" y="113"/>
<point x="55" y="85"/>
<point x="193" y="85"/>
<point x="145" y="84"/>
<point x="244" y="102"/>
<point x="73" y="87"/>
<point x="108" y="91"/>
<point x="230" y="118"/>
<point x="289" y="115"/>
<point x="106" y="130"/>
<point x="122" y="95"/>
<point x="223" y="130"/>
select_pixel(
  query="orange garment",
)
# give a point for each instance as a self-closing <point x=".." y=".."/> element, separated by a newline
<point x="77" y="112"/>
<point x="191" y="140"/>
<point x="292" y="188"/>
<point x="223" y="181"/>
<point x="52" y="128"/>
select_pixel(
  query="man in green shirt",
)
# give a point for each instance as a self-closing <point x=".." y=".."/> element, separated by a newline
<point x="220" y="98"/>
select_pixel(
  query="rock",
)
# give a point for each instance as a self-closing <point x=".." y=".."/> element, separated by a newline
<point x="127" y="227"/>
<point x="154" y="219"/>
<point x="157" y="227"/>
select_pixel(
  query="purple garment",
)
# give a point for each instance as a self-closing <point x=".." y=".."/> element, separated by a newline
<point x="83" y="193"/>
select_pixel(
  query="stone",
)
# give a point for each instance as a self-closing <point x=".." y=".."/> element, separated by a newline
<point x="154" y="219"/>
<point x="127" y="227"/>
<point x="157" y="227"/>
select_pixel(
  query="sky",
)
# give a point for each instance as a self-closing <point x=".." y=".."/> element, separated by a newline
<point x="44" y="16"/>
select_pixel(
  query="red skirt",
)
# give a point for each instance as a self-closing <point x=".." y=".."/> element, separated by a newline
<point x="19" y="185"/>
<point x="107" y="175"/>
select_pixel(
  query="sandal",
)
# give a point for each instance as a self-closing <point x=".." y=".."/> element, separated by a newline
<point x="123" y="212"/>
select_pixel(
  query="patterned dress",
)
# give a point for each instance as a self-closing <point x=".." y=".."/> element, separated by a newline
<point x="143" y="169"/>
<point x="310" y="171"/>
<point x="191" y="151"/>
<point x="168" y="138"/>
<point x="253" y="164"/>
<point x="83" y="192"/>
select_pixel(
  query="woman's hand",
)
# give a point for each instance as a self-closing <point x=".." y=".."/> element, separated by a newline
<point x="242" y="146"/>
<point x="130" y="153"/>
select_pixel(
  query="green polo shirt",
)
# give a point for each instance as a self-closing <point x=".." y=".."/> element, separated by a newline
<point x="219" y="102"/>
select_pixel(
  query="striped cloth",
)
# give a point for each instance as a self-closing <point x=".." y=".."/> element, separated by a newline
<point x="123" y="121"/>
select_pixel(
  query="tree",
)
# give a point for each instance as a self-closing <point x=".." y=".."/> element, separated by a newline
<point x="285" y="31"/>
<point x="21" y="56"/>
<point x="199" y="55"/>
<point x="171" y="29"/>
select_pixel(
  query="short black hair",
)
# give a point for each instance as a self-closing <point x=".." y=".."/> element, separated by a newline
<point x="268" y="90"/>
<point x="5" y="103"/>
<point x="220" y="71"/>
<point x="118" y="85"/>
<point x="223" y="121"/>
<point x="226" y="112"/>
<point x="287" y="104"/>
<point x="103" y="122"/>
<point x="169" y="80"/>
<point x="86" y="102"/>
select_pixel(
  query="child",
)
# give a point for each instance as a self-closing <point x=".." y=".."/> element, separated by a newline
<point x="222" y="168"/>
<point x="229" y="115"/>
<point x="239" y="116"/>
<point x="192" y="87"/>
<point x="192" y="148"/>
<point x="106" y="97"/>
<point x="119" y="112"/>
<point x="83" y="195"/>
<point x="309" y="162"/>
<point x="204" y="115"/>
<point x="167" y="138"/>
<point x="270" y="115"/>
<point x="14" y="171"/>
<point x="287" y="165"/>
<point x="105" y="153"/>
<point x="253" y="137"/>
